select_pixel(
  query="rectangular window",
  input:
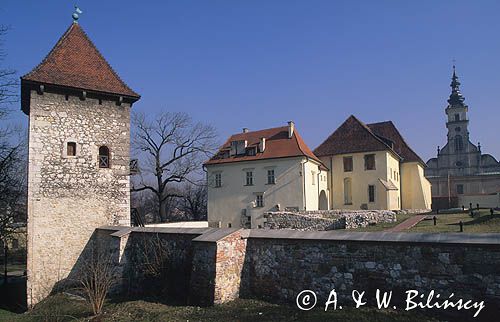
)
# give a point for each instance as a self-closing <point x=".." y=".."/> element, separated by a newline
<point x="347" y="164"/>
<point x="313" y="174"/>
<point x="259" y="200"/>
<point x="249" y="178"/>
<point x="218" y="180"/>
<point x="457" y="117"/>
<point x="460" y="189"/>
<point x="370" y="162"/>
<point x="371" y="193"/>
<point x="71" y="149"/>
<point x="270" y="177"/>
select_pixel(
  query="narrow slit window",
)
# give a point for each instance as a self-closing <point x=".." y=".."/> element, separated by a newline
<point x="103" y="157"/>
<point x="71" y="149"/>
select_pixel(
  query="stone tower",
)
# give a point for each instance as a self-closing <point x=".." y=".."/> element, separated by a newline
<point x="79" y="150"/>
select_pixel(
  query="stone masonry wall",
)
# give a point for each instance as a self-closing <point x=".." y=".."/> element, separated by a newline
<point x="279" y="269"/>
<point x="276" y="265"/>
<point x="327" y="219"/>
<point x="68" y="197"/>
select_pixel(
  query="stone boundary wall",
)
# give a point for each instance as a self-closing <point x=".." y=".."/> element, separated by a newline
<point x="327" y="219"/>
<point x="276" y="265"/>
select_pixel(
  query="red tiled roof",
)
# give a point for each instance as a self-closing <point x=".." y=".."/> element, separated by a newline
<point x="278" y="145"/>
<point x="76" y="62"/>
<point x="354" y="136"/>
<point x="389" y="131"/>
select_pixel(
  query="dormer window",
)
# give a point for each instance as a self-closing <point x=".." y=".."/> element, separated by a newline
<point x="71" y="149"/>
<point x="103" y="157"/>
<point x="251" y="151"/>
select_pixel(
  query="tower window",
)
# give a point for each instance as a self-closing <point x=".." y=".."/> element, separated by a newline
<point x="71" y="149"/>
<point x="103" y="157"/>
<point x="457" y="117"/>
<point x="459" y="143"/>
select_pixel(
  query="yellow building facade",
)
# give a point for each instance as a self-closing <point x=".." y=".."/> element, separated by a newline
<point x="372" y="167"/>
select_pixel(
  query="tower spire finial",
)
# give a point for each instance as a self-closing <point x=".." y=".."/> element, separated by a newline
<point x="76" y="14"/>
<point x="456" y="98"/>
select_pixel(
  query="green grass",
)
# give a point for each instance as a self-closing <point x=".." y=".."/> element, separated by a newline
<point x="485" y="223"/>
<point x="383" y="226"/>
<point x="63" y="308"/>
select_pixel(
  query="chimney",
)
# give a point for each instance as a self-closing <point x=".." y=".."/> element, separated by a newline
<point x="291" y="128"/>
<point x="245" y="130"/>
<point x="262" y="144"/>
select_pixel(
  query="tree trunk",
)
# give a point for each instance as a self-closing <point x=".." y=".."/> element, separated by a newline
<point x="5" y="253"/>
<point x="162" y="210"/>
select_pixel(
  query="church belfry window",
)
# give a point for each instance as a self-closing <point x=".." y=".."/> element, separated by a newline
<point x="459" y="143"/>
<point x="103" y="157"/>
<point x="71" y="149"/>
<point x="457" y="117"/>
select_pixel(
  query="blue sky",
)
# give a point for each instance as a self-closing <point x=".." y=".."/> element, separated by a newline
<point x="260" y="63"/>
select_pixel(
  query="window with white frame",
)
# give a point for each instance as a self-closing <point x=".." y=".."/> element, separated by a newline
<point x="259" y="200"/>
<point x="313" y="177"/>
<point x="249" y="178"/>
<point x="218" y="180"/>
<point x="271" y="179"/>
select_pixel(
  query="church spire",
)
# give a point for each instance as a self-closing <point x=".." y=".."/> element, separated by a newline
<point x="456" y="98"/>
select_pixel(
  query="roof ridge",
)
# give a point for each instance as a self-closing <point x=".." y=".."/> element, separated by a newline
<point x="402" y="139"/>
<point x="262" y="130"/>
<point x="104" y="58"/>
<point x="58" y="43"/>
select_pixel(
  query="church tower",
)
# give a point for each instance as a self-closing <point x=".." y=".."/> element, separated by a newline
<point x="457" y="124"/>
<point x="79" y="153"/>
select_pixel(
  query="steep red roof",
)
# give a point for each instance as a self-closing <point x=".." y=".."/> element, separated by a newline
<point x="76" y="62"/>
<point x="354" y="136"/>
<point x="389" y="131"/>
<point x="278" y="145"/>
<point x="351" y="137"/>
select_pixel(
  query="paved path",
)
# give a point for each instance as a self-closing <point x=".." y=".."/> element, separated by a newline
<point x="408" y="223"/>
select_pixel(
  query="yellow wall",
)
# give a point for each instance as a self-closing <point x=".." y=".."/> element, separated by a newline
<point x="385" y="164"/>
<point x="416" y="190"/>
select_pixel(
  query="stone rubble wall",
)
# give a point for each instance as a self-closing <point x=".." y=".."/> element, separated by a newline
<point x="327" y="219"/>
<point x="276" y="265"/>
<point x="69" y="196"/>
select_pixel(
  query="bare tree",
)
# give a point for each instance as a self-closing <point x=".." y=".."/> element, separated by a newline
<point x="194" y="202"/>
<point x="11" y="155"/>
<point x="173" y="148"/>
<point x="96" y="276"/>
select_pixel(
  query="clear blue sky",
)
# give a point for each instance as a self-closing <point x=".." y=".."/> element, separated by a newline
<point x="260" y="63"/>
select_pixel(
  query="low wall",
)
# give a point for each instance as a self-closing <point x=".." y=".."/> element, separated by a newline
<point x="221" y="265"/>
<point x="484" y="201"/>
<point x="327" y="219"/>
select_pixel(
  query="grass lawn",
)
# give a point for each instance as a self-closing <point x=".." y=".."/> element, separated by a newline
<point x="63" y="308"/>
<point x="446" y="223"/>
<point x="383" y="226"/>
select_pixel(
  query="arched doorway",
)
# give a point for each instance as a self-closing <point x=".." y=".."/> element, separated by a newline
<point x="323" y="200"/>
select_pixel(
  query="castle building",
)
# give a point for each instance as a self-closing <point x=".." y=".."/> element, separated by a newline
<point x="461" y="173"/>
<point x="372" y="167"/>
<point x="259" y="171"/>
<point x="79" y="153"/>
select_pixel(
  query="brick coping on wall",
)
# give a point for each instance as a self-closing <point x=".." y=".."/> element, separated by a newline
<point x="216" y="234"/>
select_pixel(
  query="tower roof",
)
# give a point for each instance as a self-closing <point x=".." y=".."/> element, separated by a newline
<point x="76" y="63"/>
<point x="456" y="98"/>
